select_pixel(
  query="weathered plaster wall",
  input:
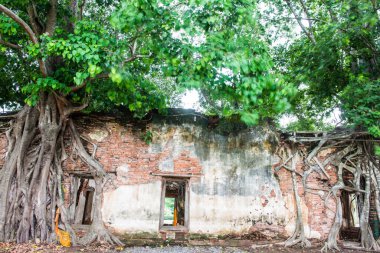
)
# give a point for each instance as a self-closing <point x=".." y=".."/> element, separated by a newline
<point x="236" y="187"/>
<point x="233" y="188"/>
<point x="133" y="207"/>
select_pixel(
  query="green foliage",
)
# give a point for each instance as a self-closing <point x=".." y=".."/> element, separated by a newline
<point x="377" y="150"/>
<point x="232" y="72"/>
<point x="42" y="84"/>
<point x="308" y="124"/>
<point x="169" y="209"/>
<point x="7" y="27"/>
<point x="10" y="81"/>
<point x="334" y="61"/>
<point x="121" y="57"/>
<point x="147" y="137"/>
<point x="362" y="104"/>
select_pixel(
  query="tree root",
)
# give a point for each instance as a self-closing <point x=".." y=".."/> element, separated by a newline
<point x="32" y="175"/>
<point x="99" y="234"/>
<point x="298" y="236"/>
<point x="331" y="243"/>
<point x="97" y="230"/>
<point x="302" y="241"/>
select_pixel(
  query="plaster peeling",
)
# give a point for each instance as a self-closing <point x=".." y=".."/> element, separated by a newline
<point x="98" y="135"/>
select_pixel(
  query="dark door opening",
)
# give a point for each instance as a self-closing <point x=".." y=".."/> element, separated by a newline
<point x="84" y="202"/>
<point x="174" y="204"/>
<point x="350" y="211"/>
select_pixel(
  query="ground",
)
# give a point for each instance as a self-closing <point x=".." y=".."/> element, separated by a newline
<point x="53" y="248"/>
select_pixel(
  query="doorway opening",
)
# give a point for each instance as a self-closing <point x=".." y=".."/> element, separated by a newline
<point x="84" y="201"/>
<point x="174" y="204"/>
<point x="350" y="210"/>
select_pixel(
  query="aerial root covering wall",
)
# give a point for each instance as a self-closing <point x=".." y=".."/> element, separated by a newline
<point x="233" y="186"/>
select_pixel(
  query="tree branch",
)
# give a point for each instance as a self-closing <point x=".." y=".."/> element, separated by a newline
<point x="81" y="8"/>
<point x="321" y="167"/>
<point x="332" y="15"/>
<point x="136" y="56"/>
<point x="284" y="163"/>
<point x="19" y="21"/>
<point x="73" y="109"/>
<point x="11" y="45"/>
<point x="132" y="48"/>
<point x="374" y="5"/>
<point x="298" y="18"/>
<point x="316" y="149"/>
<point x="9" y="116"/>
<point x="303" y="4"/>
<point x="28" y="30"/>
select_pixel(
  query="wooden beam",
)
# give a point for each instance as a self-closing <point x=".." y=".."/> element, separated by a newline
<point x="175" y="175"/>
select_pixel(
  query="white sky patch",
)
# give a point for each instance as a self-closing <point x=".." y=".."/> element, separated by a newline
<point x="190" y="100"/>
<point x="285" y="120"/>
<point x="335" y="119"/>
<point x="195" y="40"/>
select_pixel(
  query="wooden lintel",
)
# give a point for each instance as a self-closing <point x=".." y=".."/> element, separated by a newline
<point x="174" y="175"/>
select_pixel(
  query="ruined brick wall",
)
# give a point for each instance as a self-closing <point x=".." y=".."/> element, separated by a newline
<point x="317" y="218"/>
<point x="121" y="148"/>
<point x="233" y="188"/>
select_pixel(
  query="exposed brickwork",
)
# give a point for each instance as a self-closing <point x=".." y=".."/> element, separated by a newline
<point x="319" y="218"/>
<point x="121" y="145"/>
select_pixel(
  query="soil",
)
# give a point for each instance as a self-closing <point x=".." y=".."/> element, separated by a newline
<point x="257" y="248"/>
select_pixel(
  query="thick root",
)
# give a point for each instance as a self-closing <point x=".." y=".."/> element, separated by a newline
<point x="99" y="234"/>
<point x="97" y="230"/>
<point x="32" y="176"/>
<point x="299" y="233"/>
<point x="298" y="238"/>
<point x="302" y="241"/>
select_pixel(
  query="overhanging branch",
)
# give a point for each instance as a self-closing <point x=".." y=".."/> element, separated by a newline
<point x="27" y="29"/>
<point x="136" y="56"/>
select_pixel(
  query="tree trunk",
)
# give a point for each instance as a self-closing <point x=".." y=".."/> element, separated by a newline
<point x="31" y="178"/>
<point x="97" y="230"/>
